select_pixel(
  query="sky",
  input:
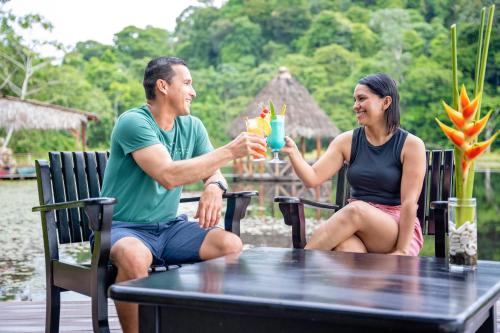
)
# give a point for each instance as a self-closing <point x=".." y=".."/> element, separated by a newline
<point x="99" y="20"/>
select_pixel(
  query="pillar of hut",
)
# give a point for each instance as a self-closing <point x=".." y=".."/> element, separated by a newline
<point x="318" y="147"/>
<point x="249" y="166"/>
<point x="76" y="135"/>
<point x="302" y="146"/>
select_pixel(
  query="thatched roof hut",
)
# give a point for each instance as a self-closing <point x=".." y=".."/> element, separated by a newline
<point x="304" y="118"/>
<point x="18" y="114"/>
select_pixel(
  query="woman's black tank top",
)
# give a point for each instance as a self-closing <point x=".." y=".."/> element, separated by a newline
<point x="374" y="172"/>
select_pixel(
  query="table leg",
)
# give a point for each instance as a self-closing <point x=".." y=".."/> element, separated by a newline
<point x="490" y="325"/>
<point x="149" y="321"/>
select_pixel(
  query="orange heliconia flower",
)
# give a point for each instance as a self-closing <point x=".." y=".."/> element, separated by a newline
<point x="455" y="116"/>
<point x="477" y="149"/>
<point x="457" y="137"/>
<point x="472" y="129"/>
<point x="466" y="129"/>
<point x="464" y="99"/>
<point x="470" y="110"/>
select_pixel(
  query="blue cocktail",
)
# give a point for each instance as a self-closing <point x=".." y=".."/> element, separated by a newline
<point x="276" y="140"/>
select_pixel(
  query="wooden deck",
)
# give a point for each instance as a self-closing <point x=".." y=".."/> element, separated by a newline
<point x="18" y="176"/>
<point x="75" y="317"/>
<point x="30" y="317"/>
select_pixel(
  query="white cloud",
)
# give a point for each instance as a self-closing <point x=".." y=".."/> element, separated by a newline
<point x="98" y="20"/>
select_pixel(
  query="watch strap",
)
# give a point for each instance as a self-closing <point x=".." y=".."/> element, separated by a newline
<point x="220" y="184"/>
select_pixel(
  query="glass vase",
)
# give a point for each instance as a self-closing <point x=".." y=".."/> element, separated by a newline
<point x="462" y="234"/>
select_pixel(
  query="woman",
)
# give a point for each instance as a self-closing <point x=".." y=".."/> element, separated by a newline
<point x="386" y="172"/>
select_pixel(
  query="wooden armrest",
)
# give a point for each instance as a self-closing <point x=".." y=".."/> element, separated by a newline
<point x="438" y="204"/>
<point x="75" y="204"/>
<point x="318" y="204"/>
<point x="227" y="195"/>
<point x="241" y="194"/>
<point x="288" y="200"/>
<point x="295" y="200"/>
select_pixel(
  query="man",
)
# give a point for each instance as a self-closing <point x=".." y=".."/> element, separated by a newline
<point x="155" y="150"/>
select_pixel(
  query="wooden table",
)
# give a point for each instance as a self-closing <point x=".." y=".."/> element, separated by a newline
<point x="289" y="290"/>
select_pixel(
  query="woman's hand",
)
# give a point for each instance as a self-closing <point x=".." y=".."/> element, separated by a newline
<point x="290" y="146"/>
<point x="399" y="253"/>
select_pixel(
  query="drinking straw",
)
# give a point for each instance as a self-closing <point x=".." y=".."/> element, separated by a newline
<point x="283" y="109"/>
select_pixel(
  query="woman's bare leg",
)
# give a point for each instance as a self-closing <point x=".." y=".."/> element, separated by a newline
<point x="352" y="244"/>
<point x="377" y="230"/>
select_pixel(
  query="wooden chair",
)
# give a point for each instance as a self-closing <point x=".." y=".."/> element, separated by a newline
<point x="432" y="204"/>
<point x="70" y="207"/>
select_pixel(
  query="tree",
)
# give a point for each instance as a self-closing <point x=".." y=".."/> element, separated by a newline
<point x="327" y="28"/>
<point x="20" y="60"/>
<point x="91" y="49"/>
<point x="426" y="84"/>
<point x="390" y="25"/>
<point x="238" y="41"/>
<point x="137" y="43"/>
<point x="194" y="36"/>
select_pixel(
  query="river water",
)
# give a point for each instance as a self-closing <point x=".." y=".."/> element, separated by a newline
<point x="22" y="267"/>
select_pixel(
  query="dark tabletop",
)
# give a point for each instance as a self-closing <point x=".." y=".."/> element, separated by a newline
<point x="419" y="288"/>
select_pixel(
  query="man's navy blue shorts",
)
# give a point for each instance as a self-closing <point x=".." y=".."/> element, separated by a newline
<point x="173" y="242"/>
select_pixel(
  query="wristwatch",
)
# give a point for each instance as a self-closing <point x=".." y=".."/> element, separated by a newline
<point x="221" y="185"/>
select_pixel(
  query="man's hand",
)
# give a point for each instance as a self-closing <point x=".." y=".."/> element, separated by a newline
<point x="210" y="206"/>
<point x="247" y="144"/>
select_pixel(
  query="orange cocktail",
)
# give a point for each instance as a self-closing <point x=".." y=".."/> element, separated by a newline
<point x="258" y="126"/>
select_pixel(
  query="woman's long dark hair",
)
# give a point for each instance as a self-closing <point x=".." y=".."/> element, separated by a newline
<point x="382" y="85"/>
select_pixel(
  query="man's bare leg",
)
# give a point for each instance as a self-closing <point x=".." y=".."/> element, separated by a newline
<point x="132" y="258"/>
<point x="218" y="243"/>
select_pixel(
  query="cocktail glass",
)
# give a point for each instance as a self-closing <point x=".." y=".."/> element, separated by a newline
<point x="255" y="126"/>
<point x="276" y="140"/>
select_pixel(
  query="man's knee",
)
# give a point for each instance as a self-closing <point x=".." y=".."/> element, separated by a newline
<point x="219" y="243"/>
<point x="131" y="257"/>
<point x="231" y="243"/>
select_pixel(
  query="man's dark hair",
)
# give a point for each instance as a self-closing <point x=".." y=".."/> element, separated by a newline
<point x="159" y="69"/>
<point x="382" y="85"/>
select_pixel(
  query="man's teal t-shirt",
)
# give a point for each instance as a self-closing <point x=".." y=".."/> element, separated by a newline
<point x="141" y="199"/>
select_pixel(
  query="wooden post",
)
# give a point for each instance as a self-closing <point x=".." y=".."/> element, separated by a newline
<point x="84" y="136"/>
<point x="262" y="168"/>
<point x="303" y="146"/>
<point x="250" y="166"/>
<point x="318" y="147"/>
<point x="317" y="197"/>
<point x="76" y="134"/>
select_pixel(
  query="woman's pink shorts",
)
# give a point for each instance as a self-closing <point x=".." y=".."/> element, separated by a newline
<point x="417" y="240"/>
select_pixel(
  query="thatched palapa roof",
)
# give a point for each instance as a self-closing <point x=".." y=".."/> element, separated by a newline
<point x="25" y="114"/>
<point x="304" y="118"/>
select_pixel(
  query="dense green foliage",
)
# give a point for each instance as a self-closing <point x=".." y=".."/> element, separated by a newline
<point x="233" y="51"/>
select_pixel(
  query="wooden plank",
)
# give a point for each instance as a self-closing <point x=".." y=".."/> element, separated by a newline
<point x="92" y="178"/>
<point x="423" y="203"/>
<point x="71" y="195"/>
<point x="102" y="161"/>
<point x="17" y="176"/>
<point x="83" y="191"/>
<point x="19" y="316"/>
<point x="59" y="196"/>
<point x="447" y="187"/>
